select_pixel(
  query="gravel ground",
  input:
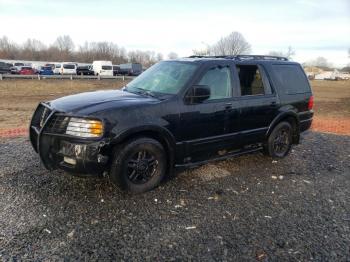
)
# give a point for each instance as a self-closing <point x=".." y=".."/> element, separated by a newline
<point x="246" y="208"/>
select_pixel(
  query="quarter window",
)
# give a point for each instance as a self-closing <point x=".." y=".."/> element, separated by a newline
<point x="250" y="80"/>
<point x="219" y="81"/>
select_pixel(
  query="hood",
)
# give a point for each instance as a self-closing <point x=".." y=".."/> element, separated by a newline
<point x="91" y="102"/>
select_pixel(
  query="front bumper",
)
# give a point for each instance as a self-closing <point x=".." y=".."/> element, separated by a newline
<point x="58" y="150"/>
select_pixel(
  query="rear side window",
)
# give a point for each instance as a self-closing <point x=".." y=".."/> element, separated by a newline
<point x="292" y="79"/>
<point x="251" y="80"/>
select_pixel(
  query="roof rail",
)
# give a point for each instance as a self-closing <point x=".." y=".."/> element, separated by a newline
<point x="244" y="57"/>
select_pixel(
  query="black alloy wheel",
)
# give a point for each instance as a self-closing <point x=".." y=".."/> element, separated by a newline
<point x="142" y="166"/>
<point x="280" y="140"/>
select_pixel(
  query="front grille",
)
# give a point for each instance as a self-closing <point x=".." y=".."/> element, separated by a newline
<point x="57" y="124"/>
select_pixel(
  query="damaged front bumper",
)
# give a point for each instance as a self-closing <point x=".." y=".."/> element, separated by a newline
<point x="58" y="150"/>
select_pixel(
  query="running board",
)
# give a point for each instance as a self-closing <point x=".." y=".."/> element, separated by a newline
<point x="228" y="155"/>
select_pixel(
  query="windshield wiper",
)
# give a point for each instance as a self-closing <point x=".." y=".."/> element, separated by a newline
<point x="144" y="92"/>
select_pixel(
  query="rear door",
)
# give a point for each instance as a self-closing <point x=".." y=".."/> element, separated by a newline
<point x="257" y="101"/>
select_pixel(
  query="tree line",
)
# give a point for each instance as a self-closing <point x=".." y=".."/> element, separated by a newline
<point x="64" y="49"/>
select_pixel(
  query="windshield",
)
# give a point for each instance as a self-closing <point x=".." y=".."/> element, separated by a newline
<point x="164" y="77"/>
<point x="46" y="68"/>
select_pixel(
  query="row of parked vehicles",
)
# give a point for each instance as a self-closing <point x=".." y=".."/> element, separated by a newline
<point x="97" y="68"/>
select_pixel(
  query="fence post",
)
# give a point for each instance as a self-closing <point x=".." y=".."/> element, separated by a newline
<point x="123" y="78"/>
<point x="39" y="77"/>
<point x="71" y="77"/>
<point x="99" y="77"/>
<point x="0" y="76"/>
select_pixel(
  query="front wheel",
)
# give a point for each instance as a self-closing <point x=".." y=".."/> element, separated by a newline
<point x="139" y="165"/>
<point x="280" y="140"/>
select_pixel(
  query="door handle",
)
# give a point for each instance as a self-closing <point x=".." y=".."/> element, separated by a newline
<point x="273" y="104"/>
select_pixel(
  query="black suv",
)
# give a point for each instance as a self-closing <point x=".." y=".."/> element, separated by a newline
<point x="178" y="113"/>
<point x="5" y="68"/>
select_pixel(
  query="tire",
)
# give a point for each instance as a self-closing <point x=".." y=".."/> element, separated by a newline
<point x="139" y="165"/>
<point x="279" y="142"/>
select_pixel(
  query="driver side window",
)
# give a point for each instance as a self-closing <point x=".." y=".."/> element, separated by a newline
<point x="219" y="81"/>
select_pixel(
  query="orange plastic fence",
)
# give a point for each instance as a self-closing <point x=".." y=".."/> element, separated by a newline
<point x="331" y="125"/>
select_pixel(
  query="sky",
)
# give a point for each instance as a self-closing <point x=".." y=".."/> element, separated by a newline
<point x="312" y="27"/>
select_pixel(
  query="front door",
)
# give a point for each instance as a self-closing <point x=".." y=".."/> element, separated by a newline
<point x="204" y="125"/>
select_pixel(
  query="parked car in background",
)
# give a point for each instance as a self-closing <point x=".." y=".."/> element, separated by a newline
<point x="67" y="69"/>
<point x="14" y="70"/>
<point x="18" y="64"/>
<point x="26" y="70"/>
<point x="131" y="69"/>
<point x="116" y="70"/>
<point x="50" y="65"/>
<point x="46" y="70"/>
<point x="102" y="68"/>
<point x="57" y="68"/>
<point x="5" y="68"/>
<point x="85" y="70"/>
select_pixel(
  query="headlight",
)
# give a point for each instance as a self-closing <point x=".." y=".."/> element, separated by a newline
<point x="84" y="127"/>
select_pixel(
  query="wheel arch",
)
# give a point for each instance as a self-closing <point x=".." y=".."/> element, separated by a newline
<point x="160" y="134"/>
<point x="292" y="118"/>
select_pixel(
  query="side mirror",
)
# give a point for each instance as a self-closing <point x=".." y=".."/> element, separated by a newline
<point x="197" y="94"/>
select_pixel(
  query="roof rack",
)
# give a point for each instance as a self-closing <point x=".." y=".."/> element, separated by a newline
<point x="244" y="57"/>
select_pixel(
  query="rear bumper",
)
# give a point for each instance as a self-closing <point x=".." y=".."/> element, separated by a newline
<point x="60" y="151"/>
<point x="305" y="124"/>
<point x="305" y="119"/>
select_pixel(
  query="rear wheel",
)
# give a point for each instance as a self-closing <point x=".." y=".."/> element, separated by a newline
<point x="280" y="140"/>
<point x="139" y="165"/>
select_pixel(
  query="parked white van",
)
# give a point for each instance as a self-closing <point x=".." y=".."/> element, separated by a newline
<point x="102" y="68"/>
<point x="67" y="69"/>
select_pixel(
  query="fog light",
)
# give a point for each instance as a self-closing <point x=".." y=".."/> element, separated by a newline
<point x="69" y="160"/>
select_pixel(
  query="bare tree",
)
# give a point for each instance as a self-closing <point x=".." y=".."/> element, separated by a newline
<point x="65" y="45"/>
<point x="8" y="49"/>
<point x="160" y="57"/>
<point x="288" y="54"/>
<point x="33" y="50"/>
<point x="201" y="52"/>
<point x="173" y="55"/>
<point x="319" y="62"/>
<point x="233" y="44"/>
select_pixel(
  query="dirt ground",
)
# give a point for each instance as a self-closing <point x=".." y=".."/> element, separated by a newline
<point x="18" y="99"/>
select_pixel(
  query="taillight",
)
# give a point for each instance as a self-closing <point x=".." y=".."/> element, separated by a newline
<point x="311" y="103"/>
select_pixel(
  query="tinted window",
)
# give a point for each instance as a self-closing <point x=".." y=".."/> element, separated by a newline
<point x="291" y="78"/>
<point x="26" y="68"/>
<point x="69" y="66"/>
<point x="46" y="68"/>
<point x="219" y="81"/>
<point x="105" y="67"/>
<point x="250" y="80"/>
